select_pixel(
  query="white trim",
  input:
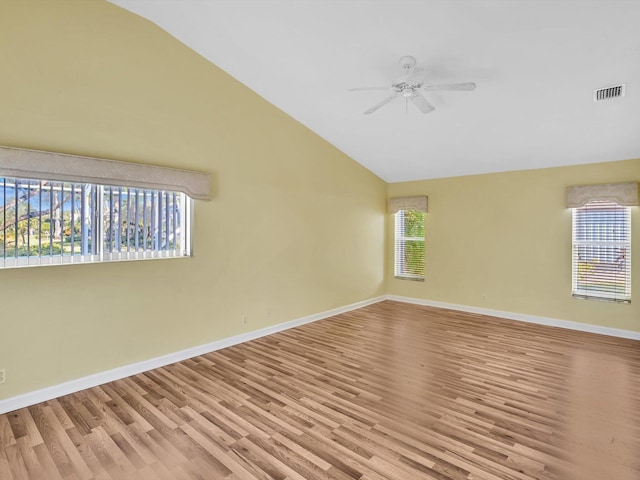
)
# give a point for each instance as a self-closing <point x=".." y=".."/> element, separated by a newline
<point x="72" y="386"/>
<point x="522" y="317"/>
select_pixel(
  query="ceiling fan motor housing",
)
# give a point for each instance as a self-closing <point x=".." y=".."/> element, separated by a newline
<point x="407" y="62"/>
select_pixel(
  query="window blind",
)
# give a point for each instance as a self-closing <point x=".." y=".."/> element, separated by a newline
<point x="52" y="223"/>
<point x="57" y="208"/>
<point x="602" y="251"/>
<point x="409" y="245"/>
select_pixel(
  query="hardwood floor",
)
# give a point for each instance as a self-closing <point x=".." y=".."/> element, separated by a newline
<point x="389" y="391"/>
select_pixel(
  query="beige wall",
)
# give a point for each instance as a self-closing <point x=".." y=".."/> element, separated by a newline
<point x="295" y="228"/>
<point x="508" y="236"/>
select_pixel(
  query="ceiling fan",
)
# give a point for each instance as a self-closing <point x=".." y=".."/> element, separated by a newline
<point x="410" y="86"/>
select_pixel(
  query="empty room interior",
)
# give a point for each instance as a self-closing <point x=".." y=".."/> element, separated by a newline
<point x="319" y="240"/>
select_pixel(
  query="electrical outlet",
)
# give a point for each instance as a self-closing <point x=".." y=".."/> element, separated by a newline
<point x="3" y="375"/>
<point x="244" y="319"/>
<point x="484" y="296"/>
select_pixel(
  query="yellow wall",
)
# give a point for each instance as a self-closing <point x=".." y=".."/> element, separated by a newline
<point x="508" y="236"/>
<point x="295" y="228"/>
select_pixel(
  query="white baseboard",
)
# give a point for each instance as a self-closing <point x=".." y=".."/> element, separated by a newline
<point x="72" y="386"/>
<point x="521" y="317"/>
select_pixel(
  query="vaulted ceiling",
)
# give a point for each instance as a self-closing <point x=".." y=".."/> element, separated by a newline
<point x="536" y="65"/>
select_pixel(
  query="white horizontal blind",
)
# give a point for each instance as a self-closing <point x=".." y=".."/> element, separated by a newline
<point x="45" y="222"/>
<point x="602" y="252"/>
<point x="409" y="245"/>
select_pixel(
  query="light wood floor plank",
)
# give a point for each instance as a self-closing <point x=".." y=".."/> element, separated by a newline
<point x="387" y="392"/>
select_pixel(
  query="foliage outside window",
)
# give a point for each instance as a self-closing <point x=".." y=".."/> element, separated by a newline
<point x="602" y="252"/>
<point x="409" y="245"/>
<point x="50" y="222"/>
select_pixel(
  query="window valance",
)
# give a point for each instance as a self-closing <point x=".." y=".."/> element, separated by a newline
<point x="418" y="203"/>
<point x="36" y="164"/>
<point x="625" y="194"/>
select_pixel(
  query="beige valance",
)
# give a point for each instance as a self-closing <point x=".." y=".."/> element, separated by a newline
<point x="419" y="203"/>
<point x="625" y="194"/>
<point x="36" y="164"/>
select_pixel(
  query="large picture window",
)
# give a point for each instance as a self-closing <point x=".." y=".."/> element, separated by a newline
<point x="52" y="222"/>
<point x="602" y="251"/>
<point x="409" y="245"/>
<point x="57" y="208"/>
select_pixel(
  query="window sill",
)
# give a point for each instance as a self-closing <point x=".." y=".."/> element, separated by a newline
<point x="581" y="296"/>
<point x="22" y="262"/>
<point x="407" y="277"/>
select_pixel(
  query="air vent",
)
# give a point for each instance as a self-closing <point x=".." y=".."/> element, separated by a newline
<point x="608" y="93"/>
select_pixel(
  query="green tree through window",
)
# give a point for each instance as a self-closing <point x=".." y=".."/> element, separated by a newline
<point x="46" y="222"/>
<point x="409" y="245"/>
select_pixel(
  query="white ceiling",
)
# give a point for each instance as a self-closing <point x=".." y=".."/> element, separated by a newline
<point x="536" y="64"/>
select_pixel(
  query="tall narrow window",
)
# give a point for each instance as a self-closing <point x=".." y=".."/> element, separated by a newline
<point x="602" y="251"/>
<point x="409" y="245"/>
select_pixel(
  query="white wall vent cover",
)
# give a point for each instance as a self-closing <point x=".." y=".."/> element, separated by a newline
<point x="607" y="93"/>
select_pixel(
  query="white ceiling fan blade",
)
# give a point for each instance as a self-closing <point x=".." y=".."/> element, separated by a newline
<point x="368" y="88"/>
<point x="467" y="87"/>
<point x="381" y="104"/>
<point x="421" y="102"/>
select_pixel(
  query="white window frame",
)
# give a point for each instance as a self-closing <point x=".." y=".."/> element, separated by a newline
<point x="169" y="222"/>
<point x="400" y="266"/>
<point x="622" y="260"/>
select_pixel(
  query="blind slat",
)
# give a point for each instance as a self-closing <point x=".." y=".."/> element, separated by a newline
<point x="602" y="252"/>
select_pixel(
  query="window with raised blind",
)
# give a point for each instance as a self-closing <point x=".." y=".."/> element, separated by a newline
<point x="51" y="222"/>
<point x="409" y="245"/>
<point x="602" y="252"/>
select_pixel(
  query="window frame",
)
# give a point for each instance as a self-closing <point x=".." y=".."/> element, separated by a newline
<point x="89" y="199"/>
<point x="399" y="264"/>
<point x="617" y="247"/>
